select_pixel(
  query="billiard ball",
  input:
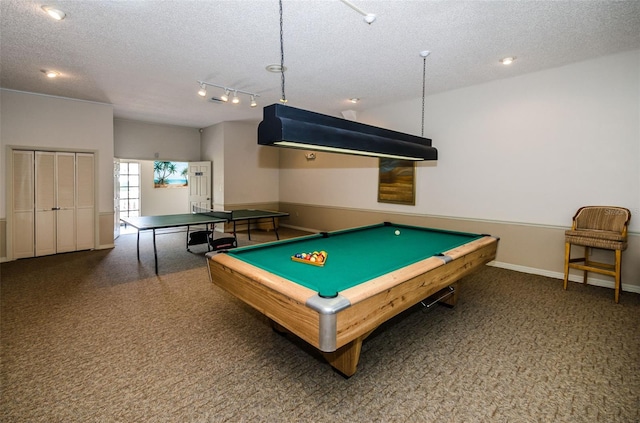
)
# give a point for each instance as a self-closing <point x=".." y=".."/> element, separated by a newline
<point x="397" y="232"/>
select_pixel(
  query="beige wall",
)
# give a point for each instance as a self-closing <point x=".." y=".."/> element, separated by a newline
<point x="527" y="248"/>
<point x="529" y="149"/>
<point x="152" y="141"/>
<point x="243" y="172"/>
<point x="212" y="149"/>
<point x="251" y="171"/>
<point x="532" y="148"/>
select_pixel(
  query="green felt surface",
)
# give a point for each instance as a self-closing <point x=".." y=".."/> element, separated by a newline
<point x="354" y="256"/>
<point x="176" y="220"/>
<point x="169" y="221"/>
<point x="255" y="214"/>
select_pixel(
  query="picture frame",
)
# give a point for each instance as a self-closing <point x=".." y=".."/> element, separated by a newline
<point x="167" y="174"/>
<point x="396" y="181"/>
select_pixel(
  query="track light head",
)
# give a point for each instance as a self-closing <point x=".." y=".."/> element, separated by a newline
<point x="202" y="92"/>
<point x="56" y="14"/>
<point x="370" y="18"/>
<point x="225" y="97"/>
<point x="253" y="101"/>
<point x="235" y="99"/>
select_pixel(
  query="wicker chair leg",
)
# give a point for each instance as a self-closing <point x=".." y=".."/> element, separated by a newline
<point x="618" y="275"/>
<point x="567" y="256"/>
<point x="586" y="263"/>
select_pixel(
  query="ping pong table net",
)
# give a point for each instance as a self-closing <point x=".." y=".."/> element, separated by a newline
<point x="221" y="214"/>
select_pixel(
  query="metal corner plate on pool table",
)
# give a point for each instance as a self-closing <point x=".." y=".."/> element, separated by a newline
<point x="445" y="258"/>
<point x="327" y="309"/>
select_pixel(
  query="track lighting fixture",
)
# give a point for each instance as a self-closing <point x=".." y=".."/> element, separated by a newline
<point x="227" y="91"/>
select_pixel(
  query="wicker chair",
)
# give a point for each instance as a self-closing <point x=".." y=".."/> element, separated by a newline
<point x="597" y="227"/>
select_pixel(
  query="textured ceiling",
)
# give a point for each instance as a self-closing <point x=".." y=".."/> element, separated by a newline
<point x="145" y="56"/>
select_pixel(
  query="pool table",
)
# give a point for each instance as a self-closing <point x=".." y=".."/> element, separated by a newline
<point x="371" y="274"/>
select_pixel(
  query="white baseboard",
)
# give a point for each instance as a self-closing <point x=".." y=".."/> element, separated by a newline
<point x="557" y="275"/>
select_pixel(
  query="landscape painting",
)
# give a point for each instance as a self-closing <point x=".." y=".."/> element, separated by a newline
<point x="170" y="174"/>
<point x="396" y="181"/>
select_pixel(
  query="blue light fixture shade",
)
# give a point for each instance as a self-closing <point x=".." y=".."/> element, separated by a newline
<point x="286" y="126"/>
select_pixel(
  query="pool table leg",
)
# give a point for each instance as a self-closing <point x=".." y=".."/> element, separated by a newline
<point x="345" y="359"/>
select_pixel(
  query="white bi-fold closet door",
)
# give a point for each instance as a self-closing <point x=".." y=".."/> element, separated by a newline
<point x="55" y="203"/>
<point x="63" y="203"/>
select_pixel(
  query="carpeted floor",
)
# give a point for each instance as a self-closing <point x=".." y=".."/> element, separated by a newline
<point x="96" y="336"/>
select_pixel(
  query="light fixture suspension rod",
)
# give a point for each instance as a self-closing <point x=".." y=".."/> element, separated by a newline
<point x="424" y="55"/>
<point x="354" y="7"/>
<point x="283" y="99"/>
<point x="424" y="75"/>
<point x="231" y="90"/>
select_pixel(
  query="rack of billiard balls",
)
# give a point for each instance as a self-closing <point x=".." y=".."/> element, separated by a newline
<point x="316" y="258"/>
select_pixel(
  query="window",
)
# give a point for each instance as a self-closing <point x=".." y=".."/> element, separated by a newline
<point x="129" y="189"/>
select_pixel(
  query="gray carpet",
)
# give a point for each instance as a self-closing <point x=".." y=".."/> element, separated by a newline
<point x="97" y="337"/>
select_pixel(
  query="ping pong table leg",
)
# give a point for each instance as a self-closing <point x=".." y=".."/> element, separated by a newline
<point x="138" y="245"/>
<point x="155" y="251"/>
<point x="213" y="227"/>
<point x="235" y="234"/>
<point x="249" y="228"/>
<point x="273" y="220"/>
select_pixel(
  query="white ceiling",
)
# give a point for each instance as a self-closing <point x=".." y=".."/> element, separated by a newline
<point x="145" y="56"/>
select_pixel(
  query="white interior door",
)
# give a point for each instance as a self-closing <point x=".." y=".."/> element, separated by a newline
<point x="199" y="185"/>
<point x="116" y="198"/>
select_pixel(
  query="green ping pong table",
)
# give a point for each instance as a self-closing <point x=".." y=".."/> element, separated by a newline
<point x="206" y="218"/>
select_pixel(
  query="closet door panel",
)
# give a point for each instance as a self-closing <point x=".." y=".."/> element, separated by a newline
<point x="85" y="210"/>
<point x="23" y="204"/>
<point x="66" y="202"/>
<point x="45" y="203"/>
<point x="45" y="233"/>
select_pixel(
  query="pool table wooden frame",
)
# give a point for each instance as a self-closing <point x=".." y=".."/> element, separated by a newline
<point x="368" y="305"/>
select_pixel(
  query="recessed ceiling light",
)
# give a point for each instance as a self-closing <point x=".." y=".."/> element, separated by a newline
<point x="56" y="14"/>
<point x="507" y="60"/>
<point x="354" y="100"/>
<point x="276" y="68"/>
<point x="50" y="73"/>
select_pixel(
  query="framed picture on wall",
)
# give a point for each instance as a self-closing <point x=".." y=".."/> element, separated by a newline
<point x="396" y="181"/>
<point x="170" y="174"/>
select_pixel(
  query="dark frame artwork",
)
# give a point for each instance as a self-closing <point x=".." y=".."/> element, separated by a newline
<point x="396" y="181"/>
